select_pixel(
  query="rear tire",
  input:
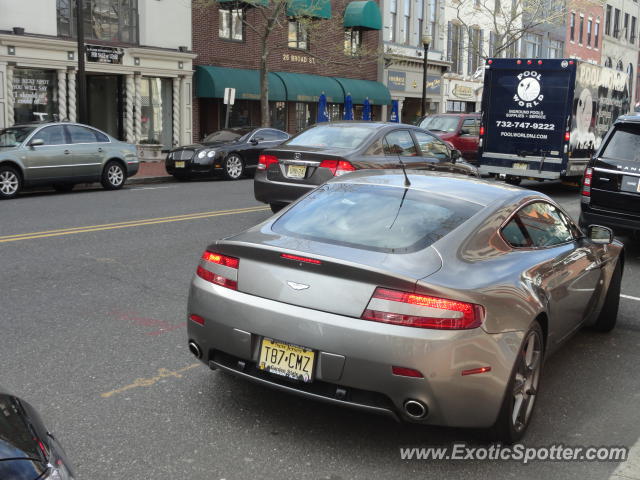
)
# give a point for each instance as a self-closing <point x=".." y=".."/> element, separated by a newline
<point x="63" y="187"/>
<point x="522" y="390"/>
<point x="513" y="180"/>
<point x="608" y="317"/>
<point x="10" y="182"/>
<point x="276" y="207"/>
<point x="113" y="176"/>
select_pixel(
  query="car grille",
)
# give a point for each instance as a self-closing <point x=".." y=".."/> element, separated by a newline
<point x="182" y="154"/>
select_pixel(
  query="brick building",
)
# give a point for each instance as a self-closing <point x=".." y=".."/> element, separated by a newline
<point x="584" y="30"/>
<point x="336" y="53"/>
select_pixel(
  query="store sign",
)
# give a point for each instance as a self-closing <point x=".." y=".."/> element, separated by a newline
<point x="287" y="57"/>
<point x="462" y="91"/>
<point x="30" y="90"/>
<point x="396" y="80"/>
<point x="100" y="54"/>
<point x="433" y="84"/>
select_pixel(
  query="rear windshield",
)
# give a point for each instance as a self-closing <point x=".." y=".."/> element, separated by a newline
<point x="439" y="123"/>
<point x="333" y="136"/>
<point x="624" y="144"/>
<point x="384" y="219"/>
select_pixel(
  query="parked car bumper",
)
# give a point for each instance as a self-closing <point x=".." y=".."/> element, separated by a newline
<point x="617" y="221"/>
<point x="269" y="191"/>
<point x="354" y="357"/>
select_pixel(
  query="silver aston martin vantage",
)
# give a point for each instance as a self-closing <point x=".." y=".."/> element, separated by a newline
<point x="433" y="298"/>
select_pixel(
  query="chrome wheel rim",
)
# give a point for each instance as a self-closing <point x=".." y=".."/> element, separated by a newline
<point x="115" y="175"/>
<point x="234" y="166"/>
<point x="9" y="182"/>
<point x="527" y="376"/>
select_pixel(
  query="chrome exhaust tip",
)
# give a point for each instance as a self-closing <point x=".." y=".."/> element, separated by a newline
<point x="415" y="409"/>
<point x="195" y="349"/>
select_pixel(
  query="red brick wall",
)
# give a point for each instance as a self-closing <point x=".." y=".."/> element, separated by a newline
<point x="590" y="10"/>
<point x="326" y="52"/>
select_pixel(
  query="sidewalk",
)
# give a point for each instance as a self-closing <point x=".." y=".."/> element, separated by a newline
<point x="151" y="171"/>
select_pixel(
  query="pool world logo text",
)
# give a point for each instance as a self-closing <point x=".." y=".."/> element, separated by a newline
<point x="528" y="90"/>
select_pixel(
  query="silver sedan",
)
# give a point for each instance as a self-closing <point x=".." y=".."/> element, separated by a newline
<point x="433" y="299"/>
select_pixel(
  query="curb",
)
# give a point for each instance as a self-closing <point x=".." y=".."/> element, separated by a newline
<point x="142" y="180"/>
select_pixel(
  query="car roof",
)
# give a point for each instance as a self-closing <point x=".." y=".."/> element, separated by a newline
<point x="628" y="119"/>
<point x="470" y="189"/>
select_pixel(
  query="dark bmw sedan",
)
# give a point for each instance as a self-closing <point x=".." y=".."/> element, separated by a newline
<point x="232" y="152"/>
<point x="27" y="450"/>
<point x="327" y="150"/>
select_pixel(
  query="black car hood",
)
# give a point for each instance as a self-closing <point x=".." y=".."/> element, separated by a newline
<point x="21" y="434"/>
<point x="198" y="146"/>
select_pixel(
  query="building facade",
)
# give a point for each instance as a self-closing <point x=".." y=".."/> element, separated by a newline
<point x="620" y="39"/>
<point x="584" y="30"/>
<point x="328" y="46"/>
<point x="138" y="64"/>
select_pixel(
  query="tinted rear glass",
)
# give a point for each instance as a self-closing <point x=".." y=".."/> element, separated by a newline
<point x="386" y="219"/>
<point x="333" y="136"/>
<point x="624" y="144"/>
<point x="441" y="123"/>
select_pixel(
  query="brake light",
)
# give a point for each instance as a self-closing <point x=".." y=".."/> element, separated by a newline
<point x="265" y="160"/>
<point x="481" y="130"/>
<point x="422" y="311"/>
<point x="301" y="259"/>
<point x="230" y="262"/>
<point x="567" y="136"/>
<point x="586" y="182"/>
<point x="338" y="167"/>
<point x="518" y="62"/>
<point x="216" y="278"/>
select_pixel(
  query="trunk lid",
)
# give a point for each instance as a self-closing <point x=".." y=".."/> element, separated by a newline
<point x="342" y="283"/>
<point x="302" y="164"/>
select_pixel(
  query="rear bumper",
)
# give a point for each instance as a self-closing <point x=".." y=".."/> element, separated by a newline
<point x="268" y="191"/>
<point x="357" y="355"/>
<point x="618" y="222"/>
<point x="132" y="167"/>
<point x="517" y="172"/>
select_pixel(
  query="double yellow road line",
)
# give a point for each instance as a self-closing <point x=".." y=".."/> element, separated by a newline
<point x="132" y="223"/>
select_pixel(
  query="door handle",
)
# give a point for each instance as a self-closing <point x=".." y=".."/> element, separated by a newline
<point x="67" y="152"/>
<point x="100" y="149"/>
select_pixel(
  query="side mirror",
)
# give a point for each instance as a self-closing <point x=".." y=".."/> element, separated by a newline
<point x="255" y="141"/>
<point x="465" y="131"/>
<point x="36" y="142"/>
<point x="599" y="235"/>
<point x="455" y="155"/>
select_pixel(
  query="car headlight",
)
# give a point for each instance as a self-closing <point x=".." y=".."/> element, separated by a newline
<point x="202" y="154"/>
<point x="211" y="153"/>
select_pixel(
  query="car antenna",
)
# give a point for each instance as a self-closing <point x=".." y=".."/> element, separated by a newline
<point x="407" y="183"/>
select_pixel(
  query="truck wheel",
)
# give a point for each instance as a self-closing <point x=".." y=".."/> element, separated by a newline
<point x="513" y="180"/>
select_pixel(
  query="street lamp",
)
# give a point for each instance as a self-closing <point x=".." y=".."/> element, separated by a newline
<point x="426" y="41"/>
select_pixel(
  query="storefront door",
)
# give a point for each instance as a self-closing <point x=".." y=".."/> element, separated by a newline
<point x="105" y="95"/>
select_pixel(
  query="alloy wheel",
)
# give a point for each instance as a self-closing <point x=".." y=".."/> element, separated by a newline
<point x="527" y="377"/>
<point x="234" y="167"/>
<point x="9" y="182"/>
<point x="115" y="175"/>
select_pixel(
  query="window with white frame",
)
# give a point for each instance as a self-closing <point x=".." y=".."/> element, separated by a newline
<point x="474" y="49"/>
<point x="393" y="10"/>
<point x="231" y="24"/>
<point x="589" y="27"/>
<point x="406" y="23"/>
<point x="532" y="45"/>
<point x="596" y="34"/>
<point x="352" y="41"/>
<point x="298" y="35"/>
<point x="555" y="48"/>
<point x="455" y="46"/>
<point x="433" y="22"/>
<point x="420" y="15"/>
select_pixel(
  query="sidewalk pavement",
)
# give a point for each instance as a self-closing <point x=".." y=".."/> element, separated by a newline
<point x="151" y="171"/>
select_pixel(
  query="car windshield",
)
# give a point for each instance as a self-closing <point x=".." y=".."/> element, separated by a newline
<point x="440" y="123"/>
<point x="333" y="136"/>
<point x="225" y="136"/>
<point x="371" y="217"/>
<point x="14" y="136"/>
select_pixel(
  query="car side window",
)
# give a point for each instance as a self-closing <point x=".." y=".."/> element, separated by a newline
<point x="267" y="135"/>
<point x="53" y="135"/>
<point x="430" y="146"/>
<point x="545" y="224"/>
<point x="278" y="135"/>
<point x="515" y="234"/>
<point x="400" y="142"/>
<point x="470" y="127"/>
<point x="81" y="134"/>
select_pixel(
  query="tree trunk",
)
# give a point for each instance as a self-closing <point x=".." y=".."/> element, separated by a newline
<point x="264" y="85"/>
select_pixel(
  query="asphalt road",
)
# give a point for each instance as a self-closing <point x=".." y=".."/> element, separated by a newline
<point x="92" y="334"/>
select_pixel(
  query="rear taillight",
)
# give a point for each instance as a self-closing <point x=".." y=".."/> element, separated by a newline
<point x="422" y="311"/>
<point x="301" y="259"/>
<point x="481" y="130"/>
<point x="586" y="182"/>
<point x="265" y="160"/>
<point x="216" y="278"/>
<point x="567" y="136"/>
<point x="338" y="167"/>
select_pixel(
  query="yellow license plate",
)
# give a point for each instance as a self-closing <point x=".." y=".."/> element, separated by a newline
<point x="521" y="166"/>
<point x="296" y="171"/>
<point x="179" y="164"/>
<point x="287" y="360"/>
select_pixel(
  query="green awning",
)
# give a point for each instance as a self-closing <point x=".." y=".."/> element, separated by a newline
<point x="211" y="82"/>
<point x="363" y="14"/>
<point x="302" y="87"/>
<point x="309" y="8"/>
<point x="376" y="92"/>
<point x="241" y="3"/>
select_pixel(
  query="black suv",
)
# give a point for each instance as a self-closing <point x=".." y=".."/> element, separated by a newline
<point x="610" y="193"/>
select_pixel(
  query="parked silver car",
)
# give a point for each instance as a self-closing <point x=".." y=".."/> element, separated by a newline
<point x="433" y="302"/>
<point x="62" y="154"/>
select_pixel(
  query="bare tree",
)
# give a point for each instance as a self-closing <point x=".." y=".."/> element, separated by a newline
<point x="272" y="16"/>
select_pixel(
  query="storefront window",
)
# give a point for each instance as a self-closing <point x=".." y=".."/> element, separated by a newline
<point x="156" y="113"/>
<point x="110" y="20"/>
<point x="333" y="109"/>
<point x="240" y="115"/>
<point x="34" y="95"/>
<point x="305" y="115"/>
<point x="278" y="115"/>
